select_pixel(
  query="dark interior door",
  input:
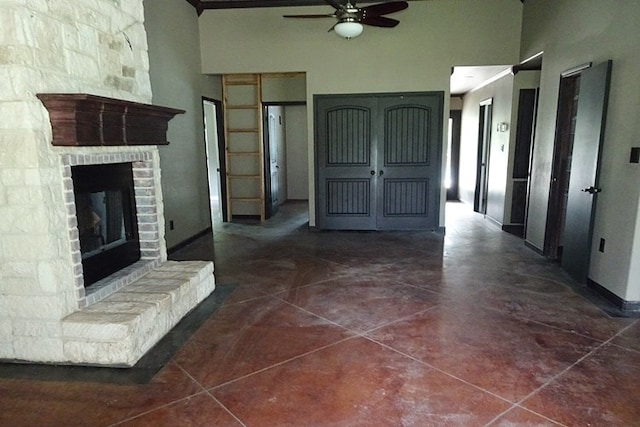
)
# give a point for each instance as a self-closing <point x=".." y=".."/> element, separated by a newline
<point x="409" y="161"/>
<point x="583" y="181"/>
<point x="346" y="163"/>
<point x="378" y="161"/>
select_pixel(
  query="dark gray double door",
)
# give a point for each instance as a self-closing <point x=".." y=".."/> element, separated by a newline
<point x="378" y="161"/>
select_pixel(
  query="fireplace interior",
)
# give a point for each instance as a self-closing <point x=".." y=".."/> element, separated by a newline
<point x="106" y="214"/>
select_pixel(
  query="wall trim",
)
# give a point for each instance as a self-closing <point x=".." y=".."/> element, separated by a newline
<point x="515" y="229"/>
<point x="627" y="307"/>
<point x="534" y="247"/>
<point x="190" y="240"/>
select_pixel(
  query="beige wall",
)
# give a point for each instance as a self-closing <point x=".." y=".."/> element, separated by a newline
<point x="176" y="81"/>
<point x="573" y="32"/>
<point x="417" y="55"/>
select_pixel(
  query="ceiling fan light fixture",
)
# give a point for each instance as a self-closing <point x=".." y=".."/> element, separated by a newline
<point x="348" y="28"/>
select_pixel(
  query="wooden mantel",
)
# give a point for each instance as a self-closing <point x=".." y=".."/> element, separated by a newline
<point x="79" y="119"/>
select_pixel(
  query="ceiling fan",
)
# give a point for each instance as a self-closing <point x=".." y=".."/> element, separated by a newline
<point x="352" y="18"/>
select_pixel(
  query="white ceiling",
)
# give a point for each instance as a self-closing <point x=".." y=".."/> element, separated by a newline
<point x="465" y="78"/>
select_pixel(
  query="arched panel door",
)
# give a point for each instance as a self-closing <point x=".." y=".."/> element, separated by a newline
<point x="346" y="186"/>
<point x="378" y="161"/>
<point x="409" y="167"/>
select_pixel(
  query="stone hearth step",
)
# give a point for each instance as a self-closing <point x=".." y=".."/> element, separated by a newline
<point x="120" y="329"/>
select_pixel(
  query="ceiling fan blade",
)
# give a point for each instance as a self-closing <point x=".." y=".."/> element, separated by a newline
<point x="326" y="15"/>
<point x="379" y="21"/>
<point x="336" y="4"/>
<point x="383" y="8"/>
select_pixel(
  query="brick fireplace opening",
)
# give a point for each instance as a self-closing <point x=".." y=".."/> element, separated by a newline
<point x="143" y="170"/>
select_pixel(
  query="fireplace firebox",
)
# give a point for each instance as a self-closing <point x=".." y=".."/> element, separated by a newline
<point x="106" y="214"/>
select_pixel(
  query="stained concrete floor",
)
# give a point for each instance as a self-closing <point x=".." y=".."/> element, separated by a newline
<point x="370" y="329"/>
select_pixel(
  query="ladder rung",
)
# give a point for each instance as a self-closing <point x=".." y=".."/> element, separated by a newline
<point x="242" y="107"/>
<point x="247" y="130"/>
<point x="244" y="176"/>
<point x="243" y="153"/>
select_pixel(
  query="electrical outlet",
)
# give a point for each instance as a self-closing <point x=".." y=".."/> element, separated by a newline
<point x="601" y="247"/>
<point x="171" y="227"/>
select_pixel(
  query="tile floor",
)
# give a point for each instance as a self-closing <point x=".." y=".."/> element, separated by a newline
<point x="371" y="329"/>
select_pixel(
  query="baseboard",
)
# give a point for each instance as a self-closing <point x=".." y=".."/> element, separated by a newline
<point x="622" y="304"/>
<point x="515" y="229"/>
<point x="188" y="241"/>
<point x="241" y="217"/>
<point x="534" y="247"/>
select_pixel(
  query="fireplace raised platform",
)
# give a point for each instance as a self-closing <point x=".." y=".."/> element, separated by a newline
<point x="120" y="329"/>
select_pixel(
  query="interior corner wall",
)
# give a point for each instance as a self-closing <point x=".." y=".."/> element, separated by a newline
<point x="177" y="81"/>
<point x="500" y="92"/>
<point x="574" y="32"/>
<point x="296" y="136"/>
<point x="415" y="56"/>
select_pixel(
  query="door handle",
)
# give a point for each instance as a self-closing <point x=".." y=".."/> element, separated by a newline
<point x="373" y="173"/>
<point x="592" y="190"/>
<point x="381" y="172"/>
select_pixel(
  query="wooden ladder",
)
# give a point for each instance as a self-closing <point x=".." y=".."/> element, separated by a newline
<point x="242" y="102"/>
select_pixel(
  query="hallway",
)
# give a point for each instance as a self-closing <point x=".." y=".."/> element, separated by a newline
<point x="371" y="329"/>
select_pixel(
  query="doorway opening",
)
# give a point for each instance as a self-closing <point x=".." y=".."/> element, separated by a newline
<point x="452" y="172"/>
<point x="214" y="149"/>
<point x="285" y="151"/>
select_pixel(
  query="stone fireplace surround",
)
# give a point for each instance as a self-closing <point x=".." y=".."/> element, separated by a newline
<point x="119" y="318"/>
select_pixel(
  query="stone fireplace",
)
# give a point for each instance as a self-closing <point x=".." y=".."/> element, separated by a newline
<point x="116" y="319"/>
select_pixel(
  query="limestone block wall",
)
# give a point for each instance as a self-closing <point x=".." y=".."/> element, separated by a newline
<point x="61" y="46"/>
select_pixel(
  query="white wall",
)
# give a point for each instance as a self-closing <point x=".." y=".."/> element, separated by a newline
<point x="417" y="55"/>
<point x="297" y="152"/>
<point x="176" y="81"/>
<point x="573" y="32"/>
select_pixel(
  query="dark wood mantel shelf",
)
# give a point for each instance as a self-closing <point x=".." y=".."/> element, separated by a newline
<point x="79" y="119"/>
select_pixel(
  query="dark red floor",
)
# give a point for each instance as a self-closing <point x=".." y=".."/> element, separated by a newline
<point x="372" y="329"/>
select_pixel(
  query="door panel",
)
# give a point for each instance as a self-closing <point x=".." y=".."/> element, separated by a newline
<point x="407" y="170"/>
<point x="589" y="135"/>
<point x="378" y="161"/>
<point x="346" y="188"/>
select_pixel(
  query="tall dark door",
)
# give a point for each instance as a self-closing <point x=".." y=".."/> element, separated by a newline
<point x="378" y="161"/>
<point x="583" y="181"/>
<point x="346" y="158"/>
